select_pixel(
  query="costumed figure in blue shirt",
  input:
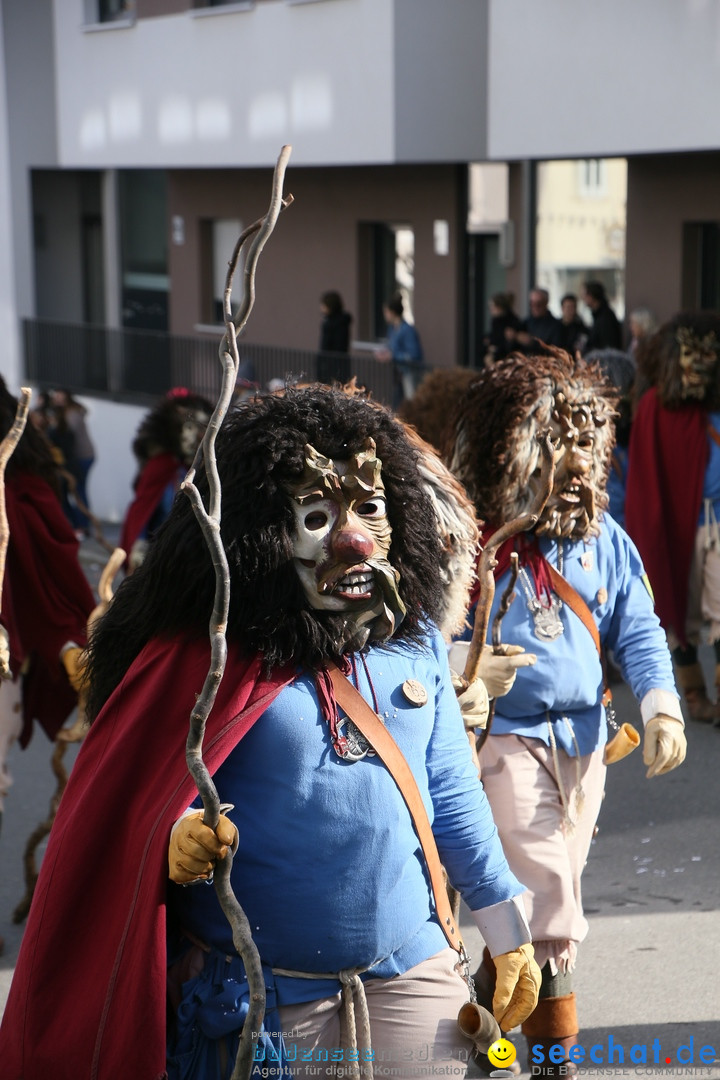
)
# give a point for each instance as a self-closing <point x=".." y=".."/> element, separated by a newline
<point x="673" y="492"/>
<point x="335" y="557"/>
<point x="543" y="766"/>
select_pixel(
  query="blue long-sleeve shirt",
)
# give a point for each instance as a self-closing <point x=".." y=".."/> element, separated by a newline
<point x="329" y="870"/>
<point x="567" y="680"/>
<point x="404" y="344"/>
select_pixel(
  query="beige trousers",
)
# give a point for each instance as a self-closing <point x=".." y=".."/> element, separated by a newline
<point x="546" y="825"/>
<point x="413" y="1025"/>
<point x="703" y="607"/>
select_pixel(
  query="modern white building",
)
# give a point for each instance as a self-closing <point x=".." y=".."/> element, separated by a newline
<point x="138" y="138"/>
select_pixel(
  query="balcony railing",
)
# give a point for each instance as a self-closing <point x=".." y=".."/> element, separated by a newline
<point x="137" y="366"/>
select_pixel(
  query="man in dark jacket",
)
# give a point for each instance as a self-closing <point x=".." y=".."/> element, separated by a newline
<point x="605" y="332"/>
<point x="540" y="324"/>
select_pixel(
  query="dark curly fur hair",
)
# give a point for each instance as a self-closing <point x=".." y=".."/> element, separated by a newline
<point x="431" y="408"/>
<point x="33" y="453"/>
<point x="658" y="359"/>
<point x="260" y="451"/>
<point x="160" y="431"/>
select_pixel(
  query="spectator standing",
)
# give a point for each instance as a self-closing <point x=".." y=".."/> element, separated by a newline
<point x="403" y="347"/>
<point x="83" y="454"/>
<point x="606" y="331"/>
<point x="333" y="363"/>
<point x="540" y="323"/>
<point x="504" y="324"/>
<point x="62" y="439"/>
<point x="619" y="368"/>
<point x="572" y="331"/>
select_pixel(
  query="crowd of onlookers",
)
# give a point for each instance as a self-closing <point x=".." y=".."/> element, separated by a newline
<point x="509" y="333"/>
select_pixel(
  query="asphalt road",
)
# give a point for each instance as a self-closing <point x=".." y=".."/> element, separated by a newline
<point x="650" y="967"/>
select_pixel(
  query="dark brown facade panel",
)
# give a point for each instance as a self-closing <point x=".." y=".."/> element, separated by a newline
<point x="671" y="200"/>
<point x="318" y="245"/>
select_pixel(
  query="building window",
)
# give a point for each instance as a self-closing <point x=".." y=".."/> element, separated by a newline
<point x="592" y="178"/>
<point x="580" y="233"/>
<point x="108" y="11"/>
<point x="218" y="237"/>
<point x="701" y="266"/>
<point x="387" y="266"/>
<point x="143" y="216"/>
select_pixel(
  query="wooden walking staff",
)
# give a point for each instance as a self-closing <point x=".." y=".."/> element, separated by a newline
<point x="209" y="519"/>
<point x="486" y="575"/>
<point x="6" y="448"/>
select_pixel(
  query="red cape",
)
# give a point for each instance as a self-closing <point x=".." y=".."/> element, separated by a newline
<point x="667" y="458"/>
<point x="88" y="997"/>
<point x="46" y="600"/>
<point x="154" y="478"/>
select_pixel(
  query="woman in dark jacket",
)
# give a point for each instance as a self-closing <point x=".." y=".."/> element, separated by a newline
<point x="504" y="324"/>
<point x="333" y="362"/>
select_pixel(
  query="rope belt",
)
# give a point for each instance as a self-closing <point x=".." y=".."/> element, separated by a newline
<point x="355" y="1009"/>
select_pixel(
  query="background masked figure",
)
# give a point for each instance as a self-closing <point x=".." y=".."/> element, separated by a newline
<point x="542" y="764"/>
<point x="335" y="555"/>
<point x="673" y="491"/>
<point x="164" y="446"/>
<point x="46" y="599"/>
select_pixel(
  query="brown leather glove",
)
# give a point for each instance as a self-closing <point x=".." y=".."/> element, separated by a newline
<point x="517" y="985"/>
<point x="195" y="848"/>
<point x="74" y="660"/>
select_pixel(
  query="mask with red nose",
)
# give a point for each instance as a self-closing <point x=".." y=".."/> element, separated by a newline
<point x="341" y="544"/>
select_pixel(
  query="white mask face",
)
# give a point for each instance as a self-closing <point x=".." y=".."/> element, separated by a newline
<point x="342" y="541"/>
<point x="334" y="546"/>
<point x="191" y="434"/>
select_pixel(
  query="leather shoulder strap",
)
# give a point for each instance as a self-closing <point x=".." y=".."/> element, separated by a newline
<point x="382" y="742"/>
<point x="575" y="602"/>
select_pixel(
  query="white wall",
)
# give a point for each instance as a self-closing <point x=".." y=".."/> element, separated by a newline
<point x="571" y="79"/>
<point x="227" y="89"/>
<point x="112" y="428"/>
<point x="344" y="81"/>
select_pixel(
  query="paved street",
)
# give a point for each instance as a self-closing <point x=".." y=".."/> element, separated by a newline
<point x="649" y="969"/>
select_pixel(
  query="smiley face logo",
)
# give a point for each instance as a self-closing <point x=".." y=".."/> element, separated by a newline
<point x="502" y="1053"/>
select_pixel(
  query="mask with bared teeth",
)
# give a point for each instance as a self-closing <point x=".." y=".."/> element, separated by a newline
<point x="570" y="510"/>
<point x="341" y="544"/>
<point x="495" y="447"/>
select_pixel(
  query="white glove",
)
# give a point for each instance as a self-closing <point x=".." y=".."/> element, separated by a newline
<point x="473" y="701"/>
<point x="497" y="670"/>
<point x="137" y="555"/>
<point x="664" y="745"/>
